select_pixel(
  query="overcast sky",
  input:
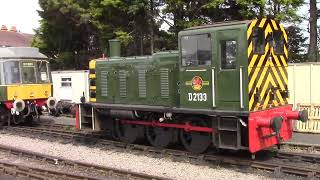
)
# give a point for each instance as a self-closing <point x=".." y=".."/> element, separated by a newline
<point x="20" y="13"/>
<point x="23" y="14"/>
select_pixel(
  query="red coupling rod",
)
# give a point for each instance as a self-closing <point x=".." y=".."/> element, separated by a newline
<point x="186" y="127"/>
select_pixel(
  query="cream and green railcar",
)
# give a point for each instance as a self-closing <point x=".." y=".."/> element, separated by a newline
<point x="25" y="84"/>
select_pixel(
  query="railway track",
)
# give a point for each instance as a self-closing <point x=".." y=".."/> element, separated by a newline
<point x="282" y="162"/>
<point x="302" y="146"/>
<point x="28" y="172"/>
<point x="39" y="173"/>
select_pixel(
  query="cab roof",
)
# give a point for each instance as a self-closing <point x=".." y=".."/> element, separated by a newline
<point x="21" y="53"/>
<point x="220" y="24"/>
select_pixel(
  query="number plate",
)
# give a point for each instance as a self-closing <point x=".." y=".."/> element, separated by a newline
<point x="197" y="97"/>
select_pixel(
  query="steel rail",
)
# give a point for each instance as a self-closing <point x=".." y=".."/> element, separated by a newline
<point x="28" y="172"/>
<point x="303" y="146"/>
<point x="217" y="159"/>
<point x="66" y="162"/>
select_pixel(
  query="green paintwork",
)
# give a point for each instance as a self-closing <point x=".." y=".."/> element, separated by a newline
<point x="3" y="93"/>
<point x="115" y="48"/>
<point x="110" y="79"/>
<point x="227" y="82"/>
<point x="119" y="73"/>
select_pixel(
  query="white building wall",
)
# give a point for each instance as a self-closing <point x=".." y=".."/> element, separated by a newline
<point x="304" y="86"/>
<point x="72" y="90"/>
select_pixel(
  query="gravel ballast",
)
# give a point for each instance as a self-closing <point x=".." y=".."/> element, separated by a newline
<point x="163" y="167"/>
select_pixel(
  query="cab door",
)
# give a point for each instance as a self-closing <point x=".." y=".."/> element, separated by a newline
<point x="229" y="72"/>
<point x="196" y="71"/>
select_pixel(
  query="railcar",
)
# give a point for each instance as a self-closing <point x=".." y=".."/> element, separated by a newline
<point x="226" y="87"/>
<point x="25" y="85"/>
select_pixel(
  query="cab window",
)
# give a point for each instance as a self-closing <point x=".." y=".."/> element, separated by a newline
<point x="196" y="50"/>
<point x="228" y="54"/>
<point x="278" y="42"/>
<point x="258" y="41"/>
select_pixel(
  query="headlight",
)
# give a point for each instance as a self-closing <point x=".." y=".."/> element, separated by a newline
<point x="52" y="102"/>
<point x="19" y="105"/>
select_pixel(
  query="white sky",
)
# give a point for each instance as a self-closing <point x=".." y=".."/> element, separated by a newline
<point x="20" y="13"/>
<point x="23" y="14"/>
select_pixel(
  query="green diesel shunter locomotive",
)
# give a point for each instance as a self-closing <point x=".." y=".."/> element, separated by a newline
<point x="225" y="87"/>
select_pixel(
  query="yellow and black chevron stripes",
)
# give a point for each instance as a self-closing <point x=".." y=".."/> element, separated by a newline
<point x="267" y="72"/>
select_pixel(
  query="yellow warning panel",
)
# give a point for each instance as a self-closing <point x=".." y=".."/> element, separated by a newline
<point x="29" y="91"/>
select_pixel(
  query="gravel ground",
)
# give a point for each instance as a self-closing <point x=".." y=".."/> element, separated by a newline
<point x="156" y="166"/>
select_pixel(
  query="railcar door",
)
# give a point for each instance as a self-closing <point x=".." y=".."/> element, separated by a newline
<point x="229" y="72"/>
<point x="195" y="71"/>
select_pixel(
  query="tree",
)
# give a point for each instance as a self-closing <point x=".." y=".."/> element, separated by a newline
<point x="312" y="51"/>
<point x="66" y="33"/>
<point x="297" y="44"/>
<point x="74" y="31"/>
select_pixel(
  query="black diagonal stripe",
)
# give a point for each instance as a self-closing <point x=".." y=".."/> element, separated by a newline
<point x="264" y="61"/>
<point x="254" y="86"/>
<point x="272" y="27"/>
<point x="279" y="59"/>
<point x="282" y="67"/>
<point x="266" y="23"/>
<point x="276" y="82"/>
<point x="280" y="76"/>
<point x="264" y="78"/>
<point x="267" y="92"/>
<point x="257" y="24"/>
<point x="276" y="65"/>
<point x="255" y="64"/>
<point x="251" y="91"/>
<point x="275" y="79"/>
<point x="287" y="47"/>
<point x="250" y="56"/>
<point x="278" y="25"/>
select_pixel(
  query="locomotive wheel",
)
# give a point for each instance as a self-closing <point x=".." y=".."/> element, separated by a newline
<point x="4" y="117"/>
<point x="129" y="133"/>
<point x="196" y="142"/>
<point x="159" y="137"/>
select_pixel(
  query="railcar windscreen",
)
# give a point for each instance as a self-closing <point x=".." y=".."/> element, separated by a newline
<point x="258" y="41"/>
<point x="11" y="72"/>
<point x="42" y="72"/>
<point x="196" y="50"/>
<point x="29" y="72"/>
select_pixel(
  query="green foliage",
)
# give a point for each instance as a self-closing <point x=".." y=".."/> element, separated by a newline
<point x="74" y="31"/>
<point x="124" y="37"/>
<point x="297" y="44"/>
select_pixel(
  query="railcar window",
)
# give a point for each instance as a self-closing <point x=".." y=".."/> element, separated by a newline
<point x="278" y="42"/>
<point x="28" y="72"/>
<point x="228" y="54"/>
<point x="11" y="72"/>
<point x="42" y="72"/>
<point x="258" y="41"/>
<point x="196" y="50"/>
